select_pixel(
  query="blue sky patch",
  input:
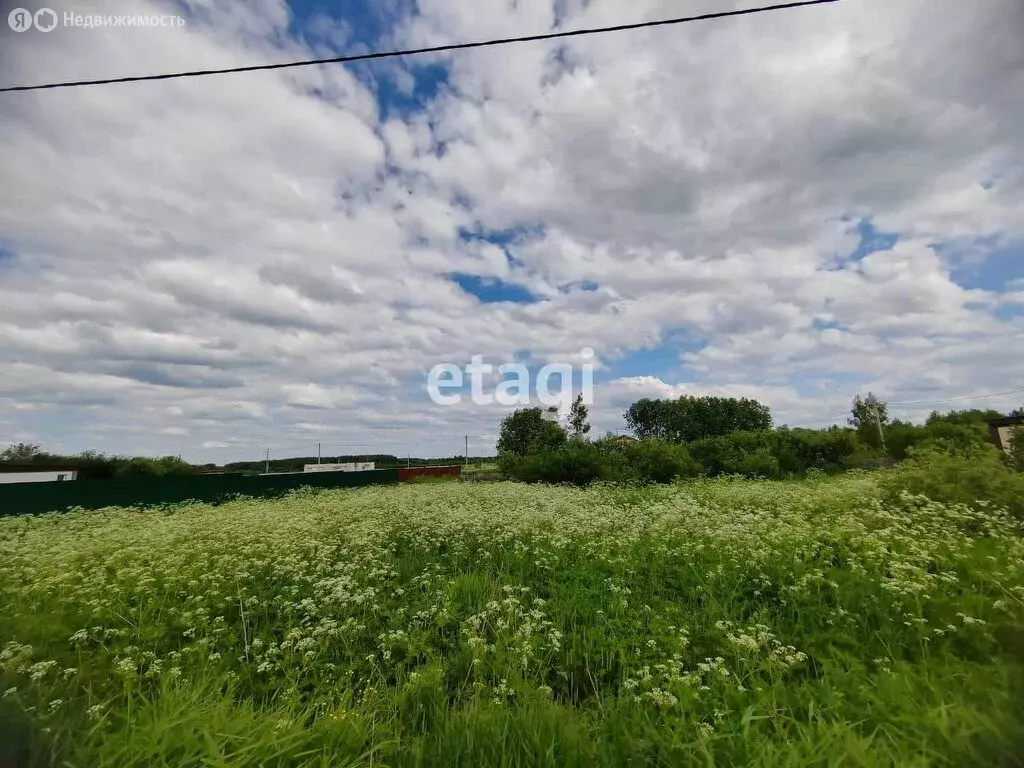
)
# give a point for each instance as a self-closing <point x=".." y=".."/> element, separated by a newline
<point x="491" y="290"/>
<point x="365" y="22"/>
<point x="501" y="237"/>
<point x="1000" y="265"/>
<point x="663" y="361"/>
<point x="872" y="240"/>
<point x="824" y="325"/>
<point x="395" y="101"/>
<point x="1009" y="312"/>
<point x="362" y="26"/>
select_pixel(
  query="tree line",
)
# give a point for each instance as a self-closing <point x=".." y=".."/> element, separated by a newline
<point x="93" y="465"/>
<point x="29" y="457"/>
<point x="710" y="436"/>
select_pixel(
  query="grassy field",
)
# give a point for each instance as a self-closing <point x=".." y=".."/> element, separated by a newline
<point x="713" y="623"/>
<point x="481" y="468"/>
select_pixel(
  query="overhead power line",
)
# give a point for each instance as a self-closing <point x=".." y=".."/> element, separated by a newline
<point x="420" y="51"/>
<point x="958" y="399"/>
<point x="918" y="402"/>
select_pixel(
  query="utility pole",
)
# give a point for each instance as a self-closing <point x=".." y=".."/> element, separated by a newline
<point x="268" y="461"/>
<point x="466" y="456"/>
<point x="881" y="432"/>
<point x="318" y="453"/>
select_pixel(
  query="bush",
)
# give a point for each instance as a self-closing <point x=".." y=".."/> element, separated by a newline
<point x="138" y="466"/>
<point x="717" y="455"/>
<point x="801" y="450"/>
<point x="655" y="461"/>
<point x="581" y="463"/>
<point x="760" y="463"/>
<point x="93" y="465"/>
<point x="1015" y="459"/>
<point x="945" y="471"/>
<point x="781" y="453"/>
<point x="577" y="463"/>
<point x="901" y="438"/>
<point x="960" y="436"/>
<point x="741" y="453"/>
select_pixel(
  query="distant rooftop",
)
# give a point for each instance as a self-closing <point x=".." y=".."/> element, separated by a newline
<point x="1006" y="421"/>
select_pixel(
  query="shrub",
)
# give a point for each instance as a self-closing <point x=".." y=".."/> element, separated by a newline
<point x="960" y="436"/>
<point x="945" y="471"/>
<point x="760" y="463"/>
<point x="901" y="438"/>
<point x="655" y="461"/>
<point x="716" y="455"/>
<point x="138" y="466"/>
<point x="1015" y="459"/>
<point x="778" y="453"/>
<point x="581" y="463"/>
<point x="801" y="450"/>
<point x="576" y="463"/>
<point x="740" y="453"/>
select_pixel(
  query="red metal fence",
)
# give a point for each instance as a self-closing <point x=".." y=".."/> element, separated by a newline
<point x="405" y="473"/>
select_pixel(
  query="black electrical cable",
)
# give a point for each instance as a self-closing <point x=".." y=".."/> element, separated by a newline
<point x="417" y="51"/>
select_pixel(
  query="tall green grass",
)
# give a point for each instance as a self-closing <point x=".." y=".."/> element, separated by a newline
<point x="722" y="622"/>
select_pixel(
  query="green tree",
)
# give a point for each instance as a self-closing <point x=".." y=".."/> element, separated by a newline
<point x="648" y="418"/>
<point x="696" y="418"/>
<point x="971" y="417"/>
<point x="901" y="437"/>
<point x="578" y="414"/>
<point x="20" y="453"/>
<point x="868" y="416"/>
<point x="526" y="431"/>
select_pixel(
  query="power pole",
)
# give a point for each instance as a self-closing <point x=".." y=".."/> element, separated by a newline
<point x="318" y="453"/>
<point x="466" y="456"/>
<point x="881" y="432"/>
<point x="268" y="461"/>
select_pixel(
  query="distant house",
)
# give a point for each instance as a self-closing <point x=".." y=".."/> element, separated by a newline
<point x="50" y="476"/>
<point x="1001" y="431"/>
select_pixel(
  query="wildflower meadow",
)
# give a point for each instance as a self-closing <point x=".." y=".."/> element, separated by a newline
<point x="724" y="622"/>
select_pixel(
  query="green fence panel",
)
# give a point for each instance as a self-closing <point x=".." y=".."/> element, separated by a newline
<point x="33" y="498"/>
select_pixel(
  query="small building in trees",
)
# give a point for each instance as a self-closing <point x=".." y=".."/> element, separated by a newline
<point x="31" y="474"/>
<point x="1001" y="431"/>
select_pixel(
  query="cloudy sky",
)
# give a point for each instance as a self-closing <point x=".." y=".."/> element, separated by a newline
<point x="796" y="206"/>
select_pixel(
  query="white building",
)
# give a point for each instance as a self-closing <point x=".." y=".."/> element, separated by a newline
<point x="38" y="477"/>
<point x="352" y="466"/>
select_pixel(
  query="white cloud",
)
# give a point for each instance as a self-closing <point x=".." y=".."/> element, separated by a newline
<point x="314" y="396"/>
<point x="206" y="260"/>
